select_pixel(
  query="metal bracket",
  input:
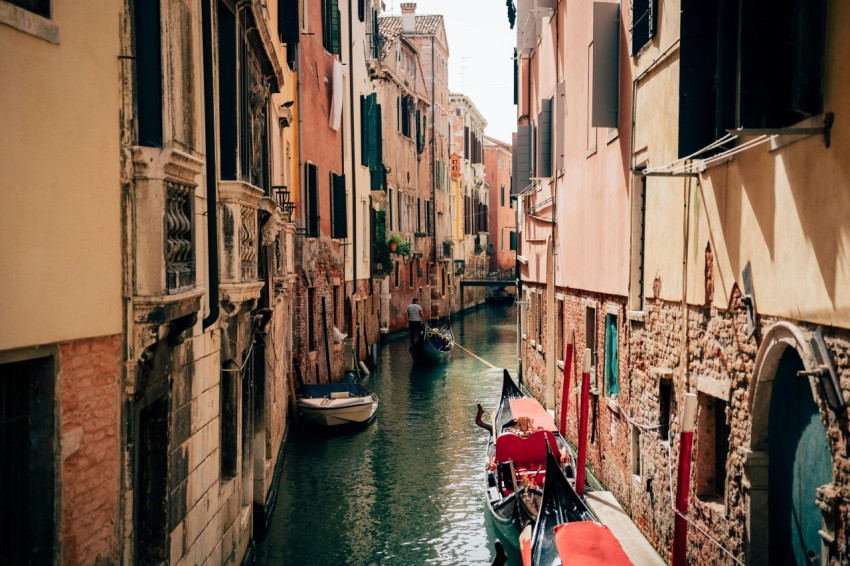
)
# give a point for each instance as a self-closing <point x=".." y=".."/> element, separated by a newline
<point x="826" y="129"/>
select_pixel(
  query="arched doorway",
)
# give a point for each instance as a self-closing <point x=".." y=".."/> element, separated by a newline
<point x="800" y="462"/>
<point x="790" y="454"/>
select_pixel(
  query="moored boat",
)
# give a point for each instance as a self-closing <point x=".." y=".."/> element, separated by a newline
<point x="434" y="344"/>
<point x="520" y="432"/>
<point x="566" y="530"/>
<point x="337" y="404"/>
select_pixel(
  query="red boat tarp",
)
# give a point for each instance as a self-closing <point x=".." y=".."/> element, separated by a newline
<point x="531" y="408"/>
<point x="585" y="543"/>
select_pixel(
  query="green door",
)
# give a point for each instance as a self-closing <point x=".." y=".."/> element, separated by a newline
<point x="800" y="462"/>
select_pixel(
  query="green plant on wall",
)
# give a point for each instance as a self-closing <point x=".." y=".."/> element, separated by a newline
<point x="381" y="260"/>
<point x="398" y="244"/>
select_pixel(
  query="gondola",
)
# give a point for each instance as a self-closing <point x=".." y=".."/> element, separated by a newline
<point x="566" y="531"/>
<point x="434" y="344"/>
<point x="337" y="404"/>
<point x="516" y="460"/>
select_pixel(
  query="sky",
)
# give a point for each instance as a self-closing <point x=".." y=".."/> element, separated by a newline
<point x="481" y="45"/>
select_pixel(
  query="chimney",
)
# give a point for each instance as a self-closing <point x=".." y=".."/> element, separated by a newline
<point x="408" y="17"/>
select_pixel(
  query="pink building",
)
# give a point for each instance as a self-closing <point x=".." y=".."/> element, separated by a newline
<point x="497" y="169"/>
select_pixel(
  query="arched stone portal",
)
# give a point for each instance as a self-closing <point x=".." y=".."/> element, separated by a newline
<point x="790" y="411"/>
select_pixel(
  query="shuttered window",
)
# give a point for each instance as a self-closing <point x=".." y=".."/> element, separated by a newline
<point x="522" y="158"/>
<point x="544" y="140"/>
<point x="339" y="210"/>
<point x="330" y="26"/>
<point x="287" y="22"/>
<point x="612" y="380"/>
<point x="513" y="241"/>
<point x="643" y="23"/>
<point x="778" y="47"/>
<point x="371" y="142"/>
<point x="606" y="65"/>
<point x="311" y="182"/>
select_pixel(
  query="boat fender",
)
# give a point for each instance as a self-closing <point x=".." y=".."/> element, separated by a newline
<point x="363" y="368"/>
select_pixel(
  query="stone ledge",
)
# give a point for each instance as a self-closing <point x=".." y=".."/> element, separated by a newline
<point x="29" y="23"/>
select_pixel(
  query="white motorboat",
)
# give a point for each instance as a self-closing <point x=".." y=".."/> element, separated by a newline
<point x="337" y="404"/>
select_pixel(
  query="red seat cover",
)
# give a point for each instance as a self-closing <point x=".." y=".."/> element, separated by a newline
<point x="525" y="451"/>
<point x="585" y="543"/>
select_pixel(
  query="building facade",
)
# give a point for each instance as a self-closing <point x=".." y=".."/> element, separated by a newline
<point x="471" y="250"/>
<point x="689" y="255"/>
<point x="502" y="219"/>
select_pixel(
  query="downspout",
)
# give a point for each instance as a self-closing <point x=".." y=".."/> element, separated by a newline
<point x="211" y="177"/>
<point x="433" y="152"/>
<point x="353" y="160"/>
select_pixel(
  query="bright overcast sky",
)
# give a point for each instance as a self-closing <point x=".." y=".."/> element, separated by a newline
<point x="481" y="44"/>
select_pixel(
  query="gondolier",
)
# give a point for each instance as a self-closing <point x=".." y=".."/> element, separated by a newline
<point x="414" y="319"/>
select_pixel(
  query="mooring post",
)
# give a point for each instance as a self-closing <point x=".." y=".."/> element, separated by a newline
<point x="683" y="481"/>
<point x="582" y="424"/>
<point x="565" y="389"/>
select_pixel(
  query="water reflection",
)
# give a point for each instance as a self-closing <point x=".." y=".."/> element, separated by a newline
<point x="407" y="489"/>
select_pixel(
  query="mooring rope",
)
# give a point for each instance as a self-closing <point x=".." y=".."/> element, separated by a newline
<point x="447" y="338"/>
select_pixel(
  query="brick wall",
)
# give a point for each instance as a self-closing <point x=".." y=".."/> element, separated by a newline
<point x="89" y="415"/>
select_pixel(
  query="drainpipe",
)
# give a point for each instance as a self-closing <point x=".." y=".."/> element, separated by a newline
<point x="211" y="178"/>
<point x="353" y="160"/>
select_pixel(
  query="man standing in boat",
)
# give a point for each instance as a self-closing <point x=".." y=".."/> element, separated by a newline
<point x="414" y="319"/>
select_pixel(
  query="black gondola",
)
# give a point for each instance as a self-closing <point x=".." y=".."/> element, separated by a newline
<point x="520" y="432"/>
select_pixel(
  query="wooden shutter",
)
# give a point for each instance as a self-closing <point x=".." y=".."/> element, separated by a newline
<point x="606" y="65"/>
<point x="287" y="22"/>
<point x="311" y="173"/>
<point x="334" y="35"/>
<point x="340" y="211"/>
<point x="544" y="142"/>
<point x="698" y="63"/>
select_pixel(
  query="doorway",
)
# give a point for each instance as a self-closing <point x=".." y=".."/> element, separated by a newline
<point x="800" y="462"/>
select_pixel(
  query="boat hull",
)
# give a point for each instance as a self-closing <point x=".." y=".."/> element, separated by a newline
<point x="338" y="412"/>
<point x="424" y="350"/>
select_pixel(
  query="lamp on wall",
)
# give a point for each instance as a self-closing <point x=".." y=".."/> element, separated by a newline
<point x="282" y="196"/>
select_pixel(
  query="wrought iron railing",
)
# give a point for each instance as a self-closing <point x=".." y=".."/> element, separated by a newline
<point x="179" y="241"/>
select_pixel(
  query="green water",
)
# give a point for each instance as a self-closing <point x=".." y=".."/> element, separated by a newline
<point x="409" y="488"/>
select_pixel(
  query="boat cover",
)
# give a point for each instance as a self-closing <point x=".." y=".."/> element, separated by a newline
<point x="586" y="543"/>
<point x="524" y="451"/>
<point x="314" y="391"/>
<point x="531" y="408"/>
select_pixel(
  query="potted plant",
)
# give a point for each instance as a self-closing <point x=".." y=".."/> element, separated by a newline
<point x="394" y="241"/>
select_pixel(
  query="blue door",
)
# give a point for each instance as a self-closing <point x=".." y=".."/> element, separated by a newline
<point x="800" y="462"/>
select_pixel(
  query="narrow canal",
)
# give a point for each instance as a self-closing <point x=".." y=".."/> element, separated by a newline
<point x="407" y="489"/>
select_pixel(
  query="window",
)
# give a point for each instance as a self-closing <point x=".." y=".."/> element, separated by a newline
<point x="229" y="392"/>
<point x="227" y="81"/>
<point x="396" y="274"/>
<point x="399" y="199"/>
<point x="339" y="210"/>
<point x="502" y="192"/>
<point x="418" y="214"/>
<point x="712" y="447"/>
<point x="410" y="274"/>
<point x="638" y="220"/>
<point x="643" y="23"/>
<point x="539" y="317"/>
<point x="513" y="241"/>
<point x="148" y="50"/>
<point x="590" y="342"/>
<point x="311" y="318"/>
<point x="428" y="217"/>
<point x="544" y="139"/>
<point x="405" y="112"/>
<point x="287" y="22"/>
<point x="27" y="469"/>
<point x="665" y="398"/>
<point x="636" y="463"/>
<point x="782" y="85"/>
<point x="311" y="182"/>
<point x="559" y="330"/>
<point x="330" y="26"/>
<point x="612" y="382"/>
<point x="361" y="10"/>
<point x="390" y="204"/>
<point x="40" y="7"/>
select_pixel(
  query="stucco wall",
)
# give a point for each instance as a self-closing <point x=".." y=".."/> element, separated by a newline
<point x="59" y="154"/>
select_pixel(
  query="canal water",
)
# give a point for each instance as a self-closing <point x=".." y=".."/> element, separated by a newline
<point x="408" y="489"/>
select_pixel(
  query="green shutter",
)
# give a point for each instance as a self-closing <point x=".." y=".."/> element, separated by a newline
<point x="340" y="212"/>
<point x="335" y="42"/>
<point x="513" y="241"/>
<point x="612" y="379"/>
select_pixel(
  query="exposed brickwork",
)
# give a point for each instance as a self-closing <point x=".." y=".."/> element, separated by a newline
<point x="89" y="417"/>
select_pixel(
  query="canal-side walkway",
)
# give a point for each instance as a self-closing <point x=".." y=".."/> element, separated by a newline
<point x="612" y="515"/>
